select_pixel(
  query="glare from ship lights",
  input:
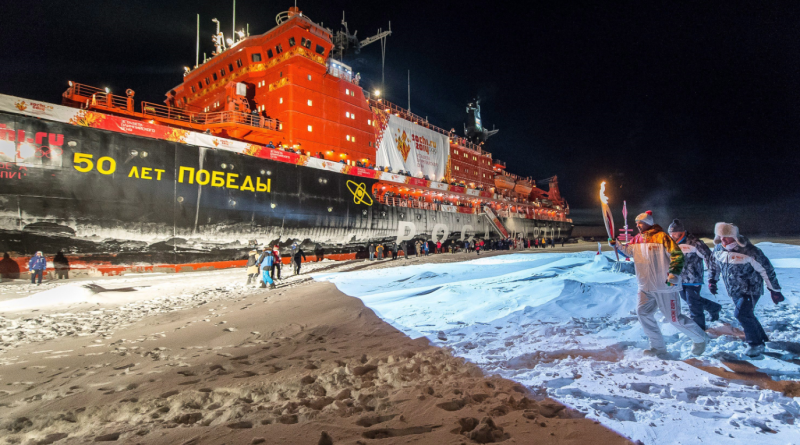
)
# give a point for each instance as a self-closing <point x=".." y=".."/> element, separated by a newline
<point x="70" y="83"/>
<point x="272" y="205"/>
<point x="378" y="93"/>
<point x="108" y="90"/>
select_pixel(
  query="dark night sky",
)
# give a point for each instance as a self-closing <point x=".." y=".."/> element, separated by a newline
<point x="679" y="105"/>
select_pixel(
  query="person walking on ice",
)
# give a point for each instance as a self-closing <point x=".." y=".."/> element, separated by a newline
<point x="694" y="252"/>
<point x="744" y="269"/>
<point x="659" y="262"/>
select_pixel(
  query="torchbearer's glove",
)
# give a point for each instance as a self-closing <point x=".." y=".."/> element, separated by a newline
<point x="673" y="280"/>
<point x="777" y="296"/>
<point x="712" y="287"/>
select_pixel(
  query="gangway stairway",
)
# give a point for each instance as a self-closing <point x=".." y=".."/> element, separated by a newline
<point x="495" y="221"/>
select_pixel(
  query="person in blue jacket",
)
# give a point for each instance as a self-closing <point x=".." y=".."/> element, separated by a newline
<point x="266" y="261"/>
<point x="37" y="266"/>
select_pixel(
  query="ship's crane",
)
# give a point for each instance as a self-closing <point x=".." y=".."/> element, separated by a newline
<point x="345" y="43"/>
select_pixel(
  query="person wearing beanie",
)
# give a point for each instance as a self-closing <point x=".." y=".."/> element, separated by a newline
<point x="694" y="252"/>
<point x="745" y="270"/>
<point x="659" y="262"/>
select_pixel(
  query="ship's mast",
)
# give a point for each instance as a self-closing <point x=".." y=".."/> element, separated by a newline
<point x="197" y="50"/>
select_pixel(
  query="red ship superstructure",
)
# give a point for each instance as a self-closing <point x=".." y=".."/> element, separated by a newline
<point x="286" y="96"/>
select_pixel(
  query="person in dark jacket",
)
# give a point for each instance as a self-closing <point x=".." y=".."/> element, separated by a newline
<point x="299" y="257"/>
<point x="252" y="266"/>
<point x="745" y="270"/>
<point x="61" y="264"/>
<point x="9" y="268"/>
<point x="694" y="253"/>
<point x="394" y="251"/>
<point x="37" y="266"/>
<point x="275" y="270"/>
<point x="371" y="249"/>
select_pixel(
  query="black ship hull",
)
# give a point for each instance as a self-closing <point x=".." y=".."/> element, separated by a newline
<point x="113" y="202"/>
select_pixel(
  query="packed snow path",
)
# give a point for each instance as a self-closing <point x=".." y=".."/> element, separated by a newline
<point x="565" y="325"/>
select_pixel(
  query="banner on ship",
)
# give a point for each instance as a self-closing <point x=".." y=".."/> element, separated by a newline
<point x="102" y="121"/>
<point x="403" y="145"/>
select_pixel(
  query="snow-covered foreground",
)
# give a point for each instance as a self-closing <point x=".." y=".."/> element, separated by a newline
<point x="565" y="324"/>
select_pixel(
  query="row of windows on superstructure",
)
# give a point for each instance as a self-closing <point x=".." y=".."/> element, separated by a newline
<point x="256" y="57"/>
<point x="304" y="42"/>
<point x="474" y="158"/>
<point x="222" y="73"/>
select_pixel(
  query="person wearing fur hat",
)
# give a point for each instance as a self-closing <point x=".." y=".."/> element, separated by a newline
<point x="659" y="262"/>
<point x="744" y="269"/>
<point x="694" y="252"/>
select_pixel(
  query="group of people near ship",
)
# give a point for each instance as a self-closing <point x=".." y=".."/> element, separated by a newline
<point x="266" y="267"/>
<point x="669" y="268"/>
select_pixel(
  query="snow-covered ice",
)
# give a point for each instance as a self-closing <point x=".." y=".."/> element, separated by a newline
<point x="565" y="325"/>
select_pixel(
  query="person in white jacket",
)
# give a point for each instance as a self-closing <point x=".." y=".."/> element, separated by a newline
<point x="659" y="262"/>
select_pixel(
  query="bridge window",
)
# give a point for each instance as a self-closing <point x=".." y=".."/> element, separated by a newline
<point x="278" y="49"/>
<point x="291" y="42"/>
<point x="230" y="67"/>
<point x="305" y="43"/>
<point x="269" y="53"/>
<point x="280" y="101"/>
<point x="215" y="76"/>
<point x="256" y="57"/>
<point x="309" y="128"/>
<point x="239" y="63"/>
<point x="320" y="49"/>
<point x="200" y="85"/>
<point x="347" y="114"/>
<point x="193" y="90"/>
<point x="222" y="72"/>
<point x="347" y="137"/>
<point x="208" y="81"/>
<point x="369" y="121"/>
<point x="309" y="102"/>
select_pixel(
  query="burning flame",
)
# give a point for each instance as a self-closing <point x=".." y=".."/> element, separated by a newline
<point x="603" y="197"/>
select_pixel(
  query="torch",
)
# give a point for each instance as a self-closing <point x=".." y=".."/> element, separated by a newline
<point x="608" y="219"/>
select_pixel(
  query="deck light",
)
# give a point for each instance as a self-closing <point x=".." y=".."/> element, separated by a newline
<point x="108" y="90"/>
<point x="377" y="93"/>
